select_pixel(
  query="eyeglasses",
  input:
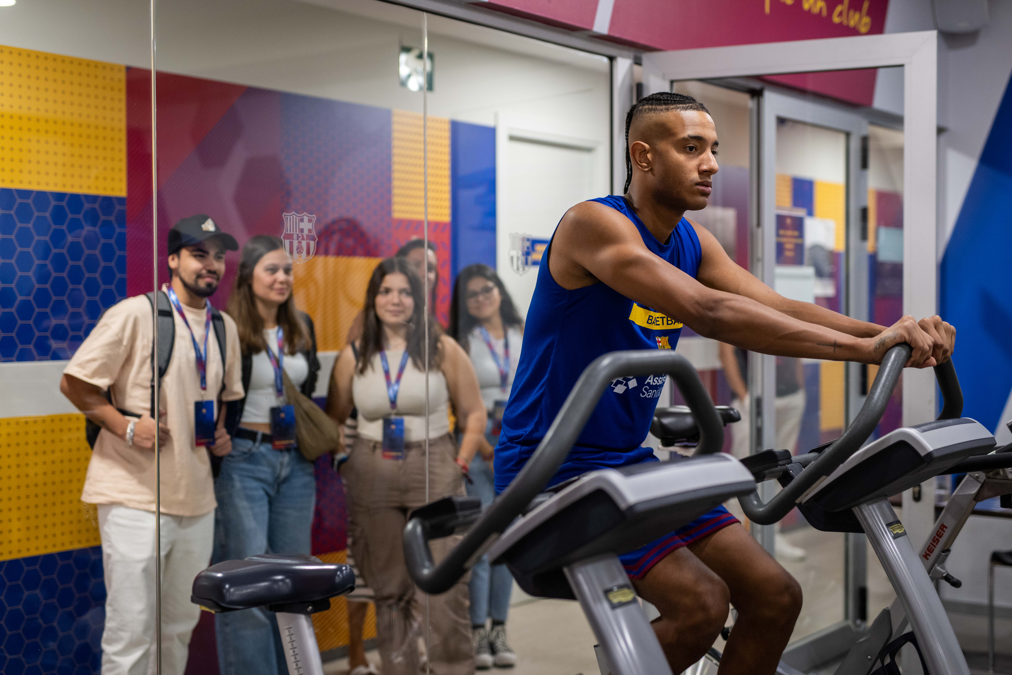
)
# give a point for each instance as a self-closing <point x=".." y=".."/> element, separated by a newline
<point x="481" y="292"/>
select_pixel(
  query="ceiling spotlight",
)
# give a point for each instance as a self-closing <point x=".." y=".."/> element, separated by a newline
<point x="7" y="3"/>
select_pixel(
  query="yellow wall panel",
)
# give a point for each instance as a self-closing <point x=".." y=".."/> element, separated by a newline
<point x="331" y="626"/>
<point x="785" y="190"/>
<point x="408" y="188"/>
<point x="43" y="461"/>
<point x="332" y="290"/>
<point x="62" y="123"/>
<point x="831" y="403"/>
<point x="831" y="202"/>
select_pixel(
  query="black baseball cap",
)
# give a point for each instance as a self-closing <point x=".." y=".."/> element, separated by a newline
<point x="196" y="229"/>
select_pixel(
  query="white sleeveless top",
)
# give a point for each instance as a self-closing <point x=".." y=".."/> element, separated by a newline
<point x="369" y="392"/>
<point x="261" y="395"/>
<point x="485" y="366"/>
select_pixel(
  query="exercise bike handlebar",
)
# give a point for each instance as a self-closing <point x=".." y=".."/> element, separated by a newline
<point x="856" y="434"/>
<point x="550" y="455"/>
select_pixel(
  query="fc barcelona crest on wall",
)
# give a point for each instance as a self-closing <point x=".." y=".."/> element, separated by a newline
<point x="300" y="236"/>
<point x="520" y="252"/>
<point x="526" y="252"/>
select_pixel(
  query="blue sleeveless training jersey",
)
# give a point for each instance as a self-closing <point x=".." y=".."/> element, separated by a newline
<point x="565" y="331"/>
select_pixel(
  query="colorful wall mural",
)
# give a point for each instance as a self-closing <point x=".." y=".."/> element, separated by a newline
<point x="76" y="237"/>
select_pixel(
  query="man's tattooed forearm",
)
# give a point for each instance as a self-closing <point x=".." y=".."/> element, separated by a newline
<point x="883" y="340"/>
<point x="823" y="344"/>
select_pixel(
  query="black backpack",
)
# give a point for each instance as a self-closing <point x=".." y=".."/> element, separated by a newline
<point x="166" y="327"/>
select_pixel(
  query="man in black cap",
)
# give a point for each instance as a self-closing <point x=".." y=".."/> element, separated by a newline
<point x="110" y="380"/>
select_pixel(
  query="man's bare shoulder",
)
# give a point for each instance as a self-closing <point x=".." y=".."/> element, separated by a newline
<point x="590" y="222"/>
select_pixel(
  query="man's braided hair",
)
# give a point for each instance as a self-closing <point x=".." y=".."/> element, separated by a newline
<point x="659" y="102"/>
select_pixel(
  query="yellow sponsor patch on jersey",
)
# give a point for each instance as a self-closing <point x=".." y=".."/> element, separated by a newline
<point x="652" y="320"/>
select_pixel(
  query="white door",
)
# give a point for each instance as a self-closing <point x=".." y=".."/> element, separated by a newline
<point x="541" y="179"/>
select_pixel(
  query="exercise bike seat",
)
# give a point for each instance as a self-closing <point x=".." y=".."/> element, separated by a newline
<point x="676" y="424"/>
<point x="270" y="580"/>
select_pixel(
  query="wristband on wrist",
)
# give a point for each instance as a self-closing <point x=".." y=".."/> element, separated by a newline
<point x="465" y="471"/>
<point x="131" y="428"/>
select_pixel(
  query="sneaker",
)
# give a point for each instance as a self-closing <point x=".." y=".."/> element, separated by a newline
<point x="482" y="649"/>
<point x="788" y="551"/>
<point x="364" y="670"/>
<point x="505" y="657"/>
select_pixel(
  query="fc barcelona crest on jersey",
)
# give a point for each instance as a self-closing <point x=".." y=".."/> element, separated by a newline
<point x="300" y="236"/>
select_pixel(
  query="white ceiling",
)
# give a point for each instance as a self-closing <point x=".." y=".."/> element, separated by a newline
<point x="195" y="35"/>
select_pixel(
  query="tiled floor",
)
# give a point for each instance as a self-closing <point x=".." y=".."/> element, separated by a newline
<point x="551" y="637"/>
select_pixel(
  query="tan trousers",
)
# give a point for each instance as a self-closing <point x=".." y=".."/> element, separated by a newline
<point x="381" y="495"/>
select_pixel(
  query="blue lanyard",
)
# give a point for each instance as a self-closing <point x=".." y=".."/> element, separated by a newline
<point x="393" y="387"/>
<point x="278" y="363"/>
<point x="504" y="364"/>
<point x="201" y="355"/>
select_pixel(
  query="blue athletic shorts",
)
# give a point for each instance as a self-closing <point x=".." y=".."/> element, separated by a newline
<point x="637" y="563"/>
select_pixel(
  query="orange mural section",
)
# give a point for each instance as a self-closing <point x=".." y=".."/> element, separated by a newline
<point x="784" y="190"/>
<point x="331" y="626"/>
<point x="43" y="461"/>
<point x="831" y="203"/>
<point x="332" y="290"/>
<point x="62" y="123"/>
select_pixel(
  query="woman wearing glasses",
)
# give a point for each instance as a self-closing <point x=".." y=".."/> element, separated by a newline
<point x="486" y="324"/>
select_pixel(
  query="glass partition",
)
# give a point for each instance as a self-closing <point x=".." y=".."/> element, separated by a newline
<point x="518" y="132"/>
<point x="298" y="129"/>
<point x="65" y="230"/>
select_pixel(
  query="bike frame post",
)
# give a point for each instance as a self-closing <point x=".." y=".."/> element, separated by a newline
<point x="613" y="610"/>
<point x="302" y="654"/>
<point x="914" y="590"/>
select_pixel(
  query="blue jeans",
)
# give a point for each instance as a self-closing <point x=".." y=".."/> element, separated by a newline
<point x="491" y="585"/>
<point x="265" y="505"/>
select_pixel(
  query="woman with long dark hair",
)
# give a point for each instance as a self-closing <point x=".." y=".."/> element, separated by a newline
<point x="423" y="258"/>
<point x="266" y="488"/>
<point x="386" y="375"/>
<point x="426" y="264"/>
<point x="485" y="322"/>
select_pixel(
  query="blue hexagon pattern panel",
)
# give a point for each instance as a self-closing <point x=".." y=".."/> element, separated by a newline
<point x="62" y="263"/>
<point x="52" y="610"/>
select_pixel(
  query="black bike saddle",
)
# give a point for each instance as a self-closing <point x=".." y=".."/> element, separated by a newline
<point x="676" y="425"/>
<point x="270" y="580"/>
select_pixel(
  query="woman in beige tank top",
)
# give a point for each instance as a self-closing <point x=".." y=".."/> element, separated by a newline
<point x="389" y="473"/>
